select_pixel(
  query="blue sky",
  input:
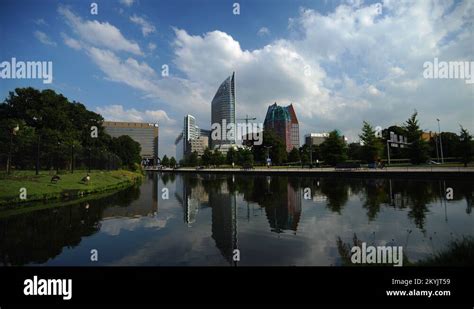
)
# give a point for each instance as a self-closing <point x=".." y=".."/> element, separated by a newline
<point x="365" y="60"/>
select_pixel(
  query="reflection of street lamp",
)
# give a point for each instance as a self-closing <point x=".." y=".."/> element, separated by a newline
<point x="440" y="142"/>
<point x="9" y="162"/>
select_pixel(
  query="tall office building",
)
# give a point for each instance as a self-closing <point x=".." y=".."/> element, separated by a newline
<point x="223" y="110"/>
<point x="283" y="121"/>
<point x="146" y="134"/>
<point x="191" y="131"/>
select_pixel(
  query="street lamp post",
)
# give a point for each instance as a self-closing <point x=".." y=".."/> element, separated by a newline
<point x="72" y="158"/>
<point x="38" y="155"/>
<point x="437" y="151"/>
<point x="440" y="142"/>
<point x="9" y="160"/>
<point x="89" y="159"/>
<point x="268" y="154"/>
<point x="37" y="167"/>
<point x="388" y="151"/>
<point x="57" y="158"/>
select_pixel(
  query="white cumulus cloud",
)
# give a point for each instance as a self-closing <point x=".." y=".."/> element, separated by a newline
<point x="99" y="34"/>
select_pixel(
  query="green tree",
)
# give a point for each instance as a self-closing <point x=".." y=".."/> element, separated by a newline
<point x="304" y="150"/>
<point x="207" y="157"/>
<point x="244" y="156"/>
<point x="193" y="158"/>
<point x="274" y="145"/>
<point x="450" y="143"/>
<point x="165" y="161"/>
<point x="418" y="147"/>
<point x="354" y="151"/>
<point x="127" y="149"/>
<point x="294" y="155"/>
<point x="372" y="146"/>
<point x="231" y="156"/>
<point x="57" y="125"/>
<point x="172" y="162"/>
<point x="465" y="146"/>
<point x="217" y="158"/>
<point x="333" y="149"/>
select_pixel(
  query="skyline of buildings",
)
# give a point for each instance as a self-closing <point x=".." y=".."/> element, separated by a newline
<point x="280" y="119"/>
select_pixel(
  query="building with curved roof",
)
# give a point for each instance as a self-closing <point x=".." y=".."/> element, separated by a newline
<point x="223" y="109"/>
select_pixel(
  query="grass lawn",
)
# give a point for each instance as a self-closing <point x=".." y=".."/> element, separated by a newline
<point x="39" y="187"/>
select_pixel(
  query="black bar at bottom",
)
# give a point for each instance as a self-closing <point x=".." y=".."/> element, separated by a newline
<point x="239" y="285"/>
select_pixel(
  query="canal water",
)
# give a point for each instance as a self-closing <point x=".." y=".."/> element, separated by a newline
<point x="201" y="219"/>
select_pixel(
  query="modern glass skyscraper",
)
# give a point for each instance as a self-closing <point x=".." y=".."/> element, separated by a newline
<point x="223" y="109"/>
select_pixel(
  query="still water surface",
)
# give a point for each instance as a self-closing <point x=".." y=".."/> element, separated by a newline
<point x="198" y="219"/>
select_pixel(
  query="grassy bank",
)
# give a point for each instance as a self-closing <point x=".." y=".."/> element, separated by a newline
<point x="39" y="187"/>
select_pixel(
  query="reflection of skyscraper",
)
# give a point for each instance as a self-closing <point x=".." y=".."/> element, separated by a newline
<point x="191" y="198"/>
<point x="223" y="109"/>
<point x="285" y="215"/>
<point x="224" y="221"/>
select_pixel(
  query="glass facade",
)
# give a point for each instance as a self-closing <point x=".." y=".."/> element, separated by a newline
<point x="223" y="108"/>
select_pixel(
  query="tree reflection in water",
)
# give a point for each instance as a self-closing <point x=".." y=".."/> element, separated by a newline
<point x="38" y="236"/>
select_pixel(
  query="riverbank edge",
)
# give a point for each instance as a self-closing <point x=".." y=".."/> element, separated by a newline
<point x="362" y="173"/>
<point x="68" y="193"/>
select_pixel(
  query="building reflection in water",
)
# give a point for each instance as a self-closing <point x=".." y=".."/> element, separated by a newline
<point x="191" y="198"/>
<point x="282" y="204"/>
<point x="224" y="221"/>
<point x="285" y="215"/>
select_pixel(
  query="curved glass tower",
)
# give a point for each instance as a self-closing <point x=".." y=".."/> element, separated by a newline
<point x="223" y="109"/>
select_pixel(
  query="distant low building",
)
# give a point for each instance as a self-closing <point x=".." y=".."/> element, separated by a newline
<point x="315" y="138"/>
<point x="146" y="134"/>
<point x="198" y="144"/>
<point x="428" y="136"/>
